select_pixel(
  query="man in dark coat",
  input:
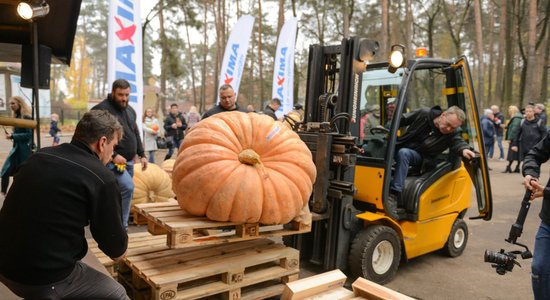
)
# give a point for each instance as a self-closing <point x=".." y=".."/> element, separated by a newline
<point x="174" y="126"/>
<point x="272" y="107"/>
<point x="56" y="193"/>
<point x="228" y="102"/>
<point x="130" y="144"/>
<point x="531" y="131"/>
<point x="429" y="133"/>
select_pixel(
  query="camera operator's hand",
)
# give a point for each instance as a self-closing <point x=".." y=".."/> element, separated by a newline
<point x="538" y="189"/>
<point x="528" y="182"/>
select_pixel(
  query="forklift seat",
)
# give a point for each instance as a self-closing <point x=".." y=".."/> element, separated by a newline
<point x="419" y="180"/>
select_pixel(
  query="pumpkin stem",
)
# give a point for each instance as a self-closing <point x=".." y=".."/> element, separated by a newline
<point x="249" y="157"/>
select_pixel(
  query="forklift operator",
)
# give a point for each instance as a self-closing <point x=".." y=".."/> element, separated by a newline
<point x="429" y="133"/>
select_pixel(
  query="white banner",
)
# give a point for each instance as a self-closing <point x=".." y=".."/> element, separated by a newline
<point x="124" y="48"/>
<point x="283" y="71"/>
<point x="235" y="54"/>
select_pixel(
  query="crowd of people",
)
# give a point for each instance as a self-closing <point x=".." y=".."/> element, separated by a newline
<point x="521" y="129"/>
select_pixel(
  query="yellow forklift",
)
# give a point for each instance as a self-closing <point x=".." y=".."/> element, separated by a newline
<point x="352" y="230"/>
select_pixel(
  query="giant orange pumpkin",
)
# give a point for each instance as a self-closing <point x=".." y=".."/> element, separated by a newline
<point x="243" y="167"/>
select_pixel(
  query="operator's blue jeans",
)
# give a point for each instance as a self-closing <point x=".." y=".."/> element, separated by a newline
<point x="126" y="186"/>
<point x="404" y="158"/>
<point x="540" y="267"/>
<point x="500" y="147"/>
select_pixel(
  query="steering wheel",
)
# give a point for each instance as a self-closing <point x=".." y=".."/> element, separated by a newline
<point x="379" y="130"/>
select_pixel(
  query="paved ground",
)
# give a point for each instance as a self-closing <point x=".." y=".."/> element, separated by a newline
<point x="434" y="276"/>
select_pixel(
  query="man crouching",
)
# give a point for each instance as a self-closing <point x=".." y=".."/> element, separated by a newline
<point x="56" y="193"/>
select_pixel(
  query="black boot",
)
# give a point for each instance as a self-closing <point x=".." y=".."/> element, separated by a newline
<point x="167" y="157"/>
<point x="508" y="170"/>
<point x="516" y="170"/>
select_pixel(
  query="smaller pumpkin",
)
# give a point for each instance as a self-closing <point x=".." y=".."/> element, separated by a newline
<point x="168" y="166"/>
<point x="155" y="127"/>
<point x="151" y="185"/>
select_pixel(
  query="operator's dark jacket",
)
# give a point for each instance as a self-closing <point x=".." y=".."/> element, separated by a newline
<point x="130" y="145"/>
<point x="178" y="132"/>
<point x="538" y="155"/>
<point x="55" y="194"/>
<point x="425" y="138"/>
<point x="219" y="109"/>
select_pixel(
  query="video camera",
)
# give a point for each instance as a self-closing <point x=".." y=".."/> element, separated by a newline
<point x="504" y="261"/>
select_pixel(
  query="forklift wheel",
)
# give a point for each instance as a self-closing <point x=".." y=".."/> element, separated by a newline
<point x="458" y="238"/>
<point x="375" y="254"/>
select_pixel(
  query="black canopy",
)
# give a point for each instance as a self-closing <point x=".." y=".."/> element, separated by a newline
<point x="56" y="30"/>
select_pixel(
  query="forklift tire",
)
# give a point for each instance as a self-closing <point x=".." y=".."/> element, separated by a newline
<point x="375" y="253"/>
<point x="458" y="238"/>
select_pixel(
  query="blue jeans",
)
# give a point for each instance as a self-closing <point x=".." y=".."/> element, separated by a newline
<point x="171" y="149"/>
<point x="126" y="186"/>
<point x="84" y="282"/>
<point x="404" y="158"/>
<point x="540" y="267"/>
<point x="500" y="147"/>
<point x="152" y="156"/>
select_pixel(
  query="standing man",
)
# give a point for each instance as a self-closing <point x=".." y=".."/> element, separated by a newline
<point x="127" y="148"/>
<point x="228" y="102"/>
<point x="540" y="112"/>
<point x="540" y="267"/>
<point x="272" y="107"/>
<point x="56" y="193"/>
<point x="174" y="126"/>
<point x="498" y="120"/>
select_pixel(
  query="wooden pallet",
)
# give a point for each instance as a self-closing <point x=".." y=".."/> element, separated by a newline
<point x="254" y="269"/>
<point x="185" y="230"/>
<point x="139" y="219"/>
<point x="138" y="243"/>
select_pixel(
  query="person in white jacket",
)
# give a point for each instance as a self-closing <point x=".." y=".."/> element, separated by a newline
<point x="151" y="130"/>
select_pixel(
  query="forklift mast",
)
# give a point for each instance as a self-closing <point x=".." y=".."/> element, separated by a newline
<point x="329" y="130"/>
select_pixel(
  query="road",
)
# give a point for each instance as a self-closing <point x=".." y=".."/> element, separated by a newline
<point x="434" y="276"/>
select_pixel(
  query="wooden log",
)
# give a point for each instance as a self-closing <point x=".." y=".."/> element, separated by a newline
<point x="313" y="285"/>
<point x="370" y="290"/>
<point x="22" y="123"/>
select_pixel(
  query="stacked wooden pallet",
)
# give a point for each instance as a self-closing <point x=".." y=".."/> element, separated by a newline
<point x="138" y="243"/>
<point x="203" y="258"/>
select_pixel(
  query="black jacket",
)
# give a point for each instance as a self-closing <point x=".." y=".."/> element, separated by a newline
<point x="130" y="145"/>
<point x="218" y="109"/>
<point x="56" y="193"/>
<point x="529" y="134"/>
<point x="538" y="155"/>
<point x="425" y="138"/>
<point x="178" y="132"/>
<point x="270" y="112"/>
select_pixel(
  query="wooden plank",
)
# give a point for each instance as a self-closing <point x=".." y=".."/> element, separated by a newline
<point x="313" y="285"/>
<point x="339" y="293"/>
<point x="371" y="290"/>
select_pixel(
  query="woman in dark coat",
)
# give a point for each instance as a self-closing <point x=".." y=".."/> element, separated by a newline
<point x="531" y="131"/>
<point x="512" y="130"/>
<point x="21" y="141"/>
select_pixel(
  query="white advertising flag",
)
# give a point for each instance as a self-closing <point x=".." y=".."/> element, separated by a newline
<point x="283" y="71"/>
<point x="124" y="59"/>
<point x="235" y="54"/>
